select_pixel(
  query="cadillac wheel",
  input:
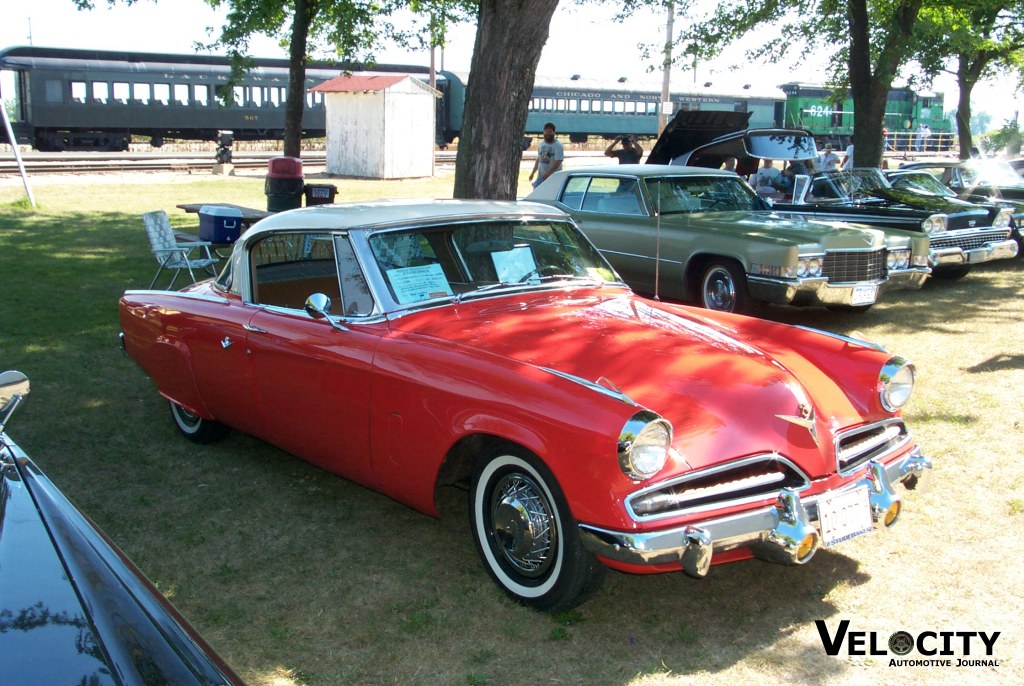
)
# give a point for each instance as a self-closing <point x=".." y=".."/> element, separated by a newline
<point x="723" y="287"/>
<point x="526" y="536"/>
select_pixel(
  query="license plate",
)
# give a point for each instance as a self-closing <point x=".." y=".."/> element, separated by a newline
<point x="844" y="516"/>
<point x="864" y="295"/>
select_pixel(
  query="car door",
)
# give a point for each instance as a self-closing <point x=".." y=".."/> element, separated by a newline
<point x="311" y="377"/>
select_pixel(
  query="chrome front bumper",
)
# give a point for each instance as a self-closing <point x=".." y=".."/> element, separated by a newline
<point x="773" y="533"/>
<point x="820" y="291"/>
<point x="998" y="250"/>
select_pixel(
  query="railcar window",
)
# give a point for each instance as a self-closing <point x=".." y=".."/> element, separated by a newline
<point x="584" y="105"/>
<point x="607" y="106"/>
<point x="201" y="95"/>
<point x="181" y="93"/>
<point x="78" y="91"/>
<point x="276" y="96"/>
<point x="574" y="105"/>
<point x="141" y="92"/>
<point x="238" y="95"/>
<point x="100" y="91"/>
<point x="122" y="92"/>
<point x="560" y="105"/>
<point x="630" y="107"/>
<point x="54" y="90"/>
<point x="161" y="93"/>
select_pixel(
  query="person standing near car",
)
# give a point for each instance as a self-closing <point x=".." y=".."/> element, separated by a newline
<point x="630" y="153"/>
<point x="828" y="160"/>
<point x="549" y="156"/>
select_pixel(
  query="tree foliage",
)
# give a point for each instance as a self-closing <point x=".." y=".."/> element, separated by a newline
<point x="870" y="41"/>
<point x="974" y="40"/>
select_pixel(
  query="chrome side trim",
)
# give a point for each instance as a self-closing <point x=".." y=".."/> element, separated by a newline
<point x="845" y="339"/>
<point x="611" y="393"/>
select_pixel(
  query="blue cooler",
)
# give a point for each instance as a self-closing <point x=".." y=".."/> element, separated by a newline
<point x="219" y="224"/>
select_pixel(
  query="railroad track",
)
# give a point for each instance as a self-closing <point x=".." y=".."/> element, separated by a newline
<point x="187" y="163"/>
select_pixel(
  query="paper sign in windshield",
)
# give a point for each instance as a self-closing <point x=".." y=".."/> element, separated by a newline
<point x="512" y="265"/>
<point x="412" y="284"/>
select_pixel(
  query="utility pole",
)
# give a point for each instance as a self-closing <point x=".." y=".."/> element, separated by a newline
<point x="666" y="67"/>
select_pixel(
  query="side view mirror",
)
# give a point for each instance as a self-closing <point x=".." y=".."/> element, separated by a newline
<point x="317" y="306"/>
<point x="14" y="387"/>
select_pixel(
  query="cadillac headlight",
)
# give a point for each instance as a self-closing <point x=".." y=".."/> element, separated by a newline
<point x="644" y="445"/>
<point x="897" y="259"/>
<point x="934" y="224"/>
<point x="895" y="383"/>
<point x="809" y="265"/>
<point x="1002" y="219"/>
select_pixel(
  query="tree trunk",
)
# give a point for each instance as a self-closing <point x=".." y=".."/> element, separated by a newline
<point x="509" y="40"/>
<point x="296" y="102"/>
<point x="870" y="83"/>
<point x="968" y="72"/>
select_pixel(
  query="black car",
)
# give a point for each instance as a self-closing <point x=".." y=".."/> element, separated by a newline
<point x="981" y="181"/>
<point x="960" y="233"/>
<point x="907" y="178"/>
<point x="73" y="608"/>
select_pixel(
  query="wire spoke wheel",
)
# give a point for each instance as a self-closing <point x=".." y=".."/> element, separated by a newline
<point x="526" y="535"/>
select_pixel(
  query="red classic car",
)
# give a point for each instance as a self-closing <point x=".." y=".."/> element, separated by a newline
<point x="407" y="346"/>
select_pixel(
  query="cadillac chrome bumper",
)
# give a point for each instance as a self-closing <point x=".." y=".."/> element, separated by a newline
<point x="820" y="291"/>
<point x="787" y="532"/>
<point x="997" y="250"/>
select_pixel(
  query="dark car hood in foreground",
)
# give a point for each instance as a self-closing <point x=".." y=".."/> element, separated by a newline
<point x="669" y="359"/>
<point x="74" y="610"/>
<point x="932" y="203"/>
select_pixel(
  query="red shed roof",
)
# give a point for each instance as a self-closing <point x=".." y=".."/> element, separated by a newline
<point x="359" y="83"/>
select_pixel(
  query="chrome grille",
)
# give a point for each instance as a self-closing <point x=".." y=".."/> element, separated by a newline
<point x="968" y="220"/>
<point x="847" y="266"/>
<point x="969" y="240"/>
<point x="760" y="477"/>
<point x="855" y="447"/>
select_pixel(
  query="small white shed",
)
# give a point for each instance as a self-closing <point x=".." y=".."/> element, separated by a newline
<point x="379" y="126"/>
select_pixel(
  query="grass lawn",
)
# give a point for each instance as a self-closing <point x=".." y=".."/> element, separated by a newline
<point x="299" y="577"/>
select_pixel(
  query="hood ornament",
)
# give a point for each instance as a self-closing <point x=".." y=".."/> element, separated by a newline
<point x="806" y="420"/>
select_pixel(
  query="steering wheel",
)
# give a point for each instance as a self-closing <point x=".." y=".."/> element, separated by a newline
<point x="543" y="270"/>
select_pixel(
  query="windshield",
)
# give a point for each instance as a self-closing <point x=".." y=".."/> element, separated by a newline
<point x="480" y="257"/>
<point x="855" y="183"/>
<point x="989" y="173"/>
<point x="686" y="194"/>
<point x="921" y="182"/>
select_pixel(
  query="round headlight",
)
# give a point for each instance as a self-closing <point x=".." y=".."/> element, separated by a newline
<point x="895" y="382"/>
<point x="891" y="260"/>
<point x="814" y="266"/>
<point x="801" y="267"/>
<point x="934" y="224"/>
<point x="644" y="445"/>
<point x="904" y="260"/>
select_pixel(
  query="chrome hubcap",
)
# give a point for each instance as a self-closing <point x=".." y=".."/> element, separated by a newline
<point x="719" y="290"/>
<point x="521" y="525"/>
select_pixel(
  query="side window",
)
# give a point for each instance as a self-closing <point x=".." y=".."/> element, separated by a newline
<point x="355" y="293"/>
<point x="287" y="268"/>
<point x="612" y="196"/>
<point x="572" y="195"/>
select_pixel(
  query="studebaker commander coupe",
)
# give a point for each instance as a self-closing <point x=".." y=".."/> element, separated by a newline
<point x="406" y="346"/>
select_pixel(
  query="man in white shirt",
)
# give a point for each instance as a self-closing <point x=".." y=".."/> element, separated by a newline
<point x="828" y="160"/>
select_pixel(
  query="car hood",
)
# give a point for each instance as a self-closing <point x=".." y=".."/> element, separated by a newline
<point x="786" y="227"/>
<point x="722" y="394"/>
<point x="932" y="203"/>
<point x="73" y="609"/>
